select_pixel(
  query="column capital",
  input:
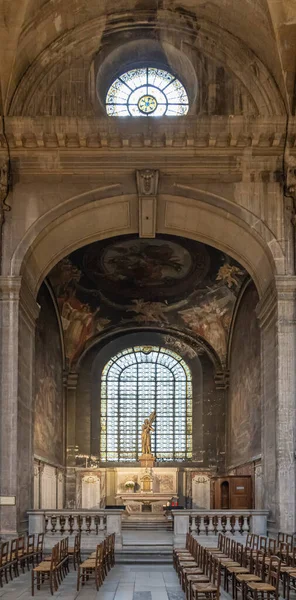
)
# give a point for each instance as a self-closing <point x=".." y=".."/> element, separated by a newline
<point x="15" y="289"/>
<point x="10" y="288"/>
<point x="71" y="380"/>
<point x="283" y="289"/>
<point x="286" y="287"/>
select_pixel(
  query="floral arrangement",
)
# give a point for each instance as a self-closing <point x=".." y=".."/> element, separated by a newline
<point x="129" y="484"/>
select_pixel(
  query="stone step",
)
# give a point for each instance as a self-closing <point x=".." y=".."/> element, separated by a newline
<point x="148" y="526"/>
<point x="142" y="555"/>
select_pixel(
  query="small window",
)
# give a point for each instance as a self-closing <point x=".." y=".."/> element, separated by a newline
<point x="148" y="92"/>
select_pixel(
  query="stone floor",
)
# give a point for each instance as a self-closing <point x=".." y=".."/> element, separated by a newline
<point x="124" y="582"/>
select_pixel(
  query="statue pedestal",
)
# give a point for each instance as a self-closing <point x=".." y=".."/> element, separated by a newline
<point x="147" y="460"/>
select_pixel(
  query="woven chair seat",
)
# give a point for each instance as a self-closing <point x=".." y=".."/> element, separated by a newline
<point x="200" y="578"/>
<point x="193" y="570"/>
<point x="238" y="570"/>
<point x="89" y="562"/>
<point x="248" y="578"/>
<point x="43" y="567"/>
<point x="204" y="587"/>
<point x="262" y="587"/>
<point x="189" y="564"/>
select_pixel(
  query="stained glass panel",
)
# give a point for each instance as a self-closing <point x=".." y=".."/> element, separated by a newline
<point x="134" y="383"/>
<point x="146" y="92"/>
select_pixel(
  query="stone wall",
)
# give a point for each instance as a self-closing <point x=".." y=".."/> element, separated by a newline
<point x="244" y="399"/>
<point x="49" y="401"/>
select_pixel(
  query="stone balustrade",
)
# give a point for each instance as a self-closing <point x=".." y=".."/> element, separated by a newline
<point x="69" y="522"/>
<point x="213" y="522"/>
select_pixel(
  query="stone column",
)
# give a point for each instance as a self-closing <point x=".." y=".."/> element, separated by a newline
<point x="72" y="450"/>
<point x="277" y="315"/>
<point x="19" y="312"/>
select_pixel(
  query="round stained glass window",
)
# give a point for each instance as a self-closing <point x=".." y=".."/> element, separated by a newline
<point x="146" y="92"/>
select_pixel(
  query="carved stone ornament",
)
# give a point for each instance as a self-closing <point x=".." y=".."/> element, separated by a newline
<point x="147" y="182"/>
<point x="90" y="479"/>
<point x="201" y="479"/>
<point x="4" y="175"/>
<point x="290" y="187"/>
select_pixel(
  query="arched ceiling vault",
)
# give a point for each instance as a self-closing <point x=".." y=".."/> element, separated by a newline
<point x="27" y="27"/>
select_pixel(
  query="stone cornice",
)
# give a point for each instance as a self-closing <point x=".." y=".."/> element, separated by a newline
<point x="229" y="132"/>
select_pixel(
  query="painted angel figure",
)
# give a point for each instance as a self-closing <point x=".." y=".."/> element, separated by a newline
<point x="146" y="433"/>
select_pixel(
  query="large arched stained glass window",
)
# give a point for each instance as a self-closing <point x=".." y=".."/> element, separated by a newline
<point x="136" y="382"/>
<point x="146" y="92"/>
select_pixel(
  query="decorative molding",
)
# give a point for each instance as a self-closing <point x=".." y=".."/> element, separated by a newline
<point x="91" y="134"/>
<point x="147" y="185"/>
<point x="222" y="380"/>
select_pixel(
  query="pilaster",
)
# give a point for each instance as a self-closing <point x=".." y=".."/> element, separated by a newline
<point x="277" y="316"/>
<point x="19" y="312"/>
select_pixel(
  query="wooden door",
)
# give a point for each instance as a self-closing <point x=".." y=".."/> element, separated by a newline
<point x="240" y="493"/>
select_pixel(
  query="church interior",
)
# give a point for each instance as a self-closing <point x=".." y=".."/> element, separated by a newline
<point x="147" y="286"/>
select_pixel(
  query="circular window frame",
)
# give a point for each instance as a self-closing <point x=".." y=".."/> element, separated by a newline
<point x="132" y="108"/>
<point x="143" y="53"/>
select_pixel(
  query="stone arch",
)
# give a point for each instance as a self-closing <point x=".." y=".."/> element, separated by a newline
<point x="193" y="214"/>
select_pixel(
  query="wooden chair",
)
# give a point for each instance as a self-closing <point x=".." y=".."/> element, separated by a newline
<point x="187" y="561"/>
<point x="256" y="574"/>
<point x="183" y="550"/>
<point x="39" y="548"/>
<point x="47" y="571"/>
<point x="25" y="551"/>
<point x="13" y="558"/>
<point x="30" y="550"/>
<point x="240" y="569"/>
<point x="75" y="551"/>
<point x="63" y="565"/>
<point x="92" y="567"/>
<point x="269" y="588"/>
<point x="21" y="551"/>
<point x="192" y="575"/>
<point x="210" y="590"/>
<point x="4" y="560"/>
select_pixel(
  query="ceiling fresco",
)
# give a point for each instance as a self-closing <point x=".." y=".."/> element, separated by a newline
<point x="127" y="281"/>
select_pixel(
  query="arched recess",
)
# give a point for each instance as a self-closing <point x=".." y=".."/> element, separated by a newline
<point x="208" y="397"/>
<point x="86" y="40"/>
<point x="207" y="218"/>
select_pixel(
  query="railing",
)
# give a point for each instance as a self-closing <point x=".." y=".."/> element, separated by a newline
<point x="69" y="522"/>
<point x="213" y="522"/>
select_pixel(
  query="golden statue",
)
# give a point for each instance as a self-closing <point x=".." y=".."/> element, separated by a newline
<point x="146" y="435"/>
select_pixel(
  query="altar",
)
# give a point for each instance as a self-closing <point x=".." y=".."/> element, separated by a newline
<point x="146" y="489"/>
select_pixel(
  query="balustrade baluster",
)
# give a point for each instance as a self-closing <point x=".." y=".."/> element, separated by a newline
<point x="102" y="523"/>
<point x="236" y="525"/>
<point x="81" y="521"/>
<point x="203" y="527"/>
<point x="211" y="526"/>
<point x="75" y="523"/>
<point x="228" y="527"/>
<point x="193" y="527"/>
<point x="59" y="526"/>
<point x="53" y="520"/>
<point x="219" y="526"/>
<point x="245" y="525"/>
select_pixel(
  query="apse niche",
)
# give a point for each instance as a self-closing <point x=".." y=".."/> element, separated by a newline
<point x="168" y="282"/>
